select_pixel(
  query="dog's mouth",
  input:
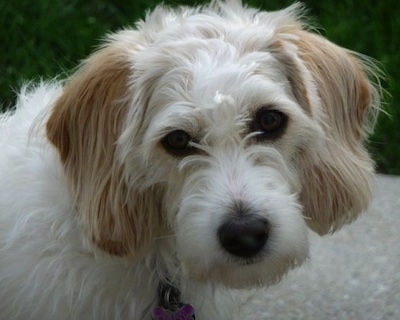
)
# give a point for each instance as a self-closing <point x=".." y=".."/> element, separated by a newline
<point x="245" y="262"/>
<point x="266" y="267"/>
<point x="246" y="273"/>
<point x="245" y="252"/>
<point x="242" y="248"/>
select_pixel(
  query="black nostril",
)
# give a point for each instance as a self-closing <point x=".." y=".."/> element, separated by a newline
<point x="244" y="236"/>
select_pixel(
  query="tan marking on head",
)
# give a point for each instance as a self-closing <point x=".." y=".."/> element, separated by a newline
<point x="294" y="75"/>
<point x="337" y="186"/>
<point x="84" y="126"/>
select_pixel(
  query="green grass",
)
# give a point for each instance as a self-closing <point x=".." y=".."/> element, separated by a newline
<point x="47" y="38"/>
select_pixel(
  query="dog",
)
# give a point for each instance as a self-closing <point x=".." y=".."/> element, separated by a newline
<point x="185" y="159"/>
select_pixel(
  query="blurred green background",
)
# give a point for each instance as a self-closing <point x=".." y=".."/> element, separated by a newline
<point x="41" y="39"/>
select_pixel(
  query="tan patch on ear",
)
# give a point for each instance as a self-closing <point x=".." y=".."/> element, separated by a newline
<point x="338" y="186"/>
<point x="364" y="93"/>
<point x="94" y="97"/>
<point x="294" y="75"/>
<point x="346" y="93"/>
<point x="336" y="190"/>
<point x="84" y="126"/>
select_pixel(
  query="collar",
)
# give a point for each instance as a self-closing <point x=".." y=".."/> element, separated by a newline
<point x="170" y="305"/>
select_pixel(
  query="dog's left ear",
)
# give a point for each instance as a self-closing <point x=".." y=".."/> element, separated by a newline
<point x="333" y="87"/>
<point x="84" y="126"/>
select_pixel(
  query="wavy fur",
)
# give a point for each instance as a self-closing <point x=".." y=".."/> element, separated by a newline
<point x="95" y="210"/>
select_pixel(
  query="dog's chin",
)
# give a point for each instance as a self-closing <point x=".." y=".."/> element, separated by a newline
<point x="245" y="274"/>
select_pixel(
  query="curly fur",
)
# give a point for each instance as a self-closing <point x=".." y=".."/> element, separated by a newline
<point x="94" y="211"/>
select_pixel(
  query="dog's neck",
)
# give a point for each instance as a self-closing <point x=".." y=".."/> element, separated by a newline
<point x="170" y="304"/>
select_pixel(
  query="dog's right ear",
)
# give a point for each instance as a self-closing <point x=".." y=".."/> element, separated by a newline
<point x="85" y="125"/>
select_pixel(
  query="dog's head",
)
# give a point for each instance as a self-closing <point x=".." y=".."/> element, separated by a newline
<point x="225" y="127"/>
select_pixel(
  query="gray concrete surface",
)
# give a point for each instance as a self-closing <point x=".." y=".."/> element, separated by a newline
<point x="351" y="275"/>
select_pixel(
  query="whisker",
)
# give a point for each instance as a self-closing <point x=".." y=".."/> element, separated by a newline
<point x="165" y="237"/>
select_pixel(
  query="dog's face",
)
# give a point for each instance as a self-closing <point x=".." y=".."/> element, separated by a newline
<point x="222" y="140"/>
<point x="228" y="129"/>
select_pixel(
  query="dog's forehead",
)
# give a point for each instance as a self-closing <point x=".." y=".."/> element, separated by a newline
<point x="205" y="47"/>
<point x="199" y="70"/>
<point x="203" y="73"/>
<point x="208" y="82"/>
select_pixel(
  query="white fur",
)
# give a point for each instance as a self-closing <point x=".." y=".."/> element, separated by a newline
<point x="205" y="71"/>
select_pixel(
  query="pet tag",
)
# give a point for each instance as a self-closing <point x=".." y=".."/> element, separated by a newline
<point x="186" y="312"/>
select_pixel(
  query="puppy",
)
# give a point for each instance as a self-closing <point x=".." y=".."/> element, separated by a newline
<point x="185" y="158"/>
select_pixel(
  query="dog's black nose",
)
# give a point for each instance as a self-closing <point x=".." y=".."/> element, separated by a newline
<point x="244" y="236"/>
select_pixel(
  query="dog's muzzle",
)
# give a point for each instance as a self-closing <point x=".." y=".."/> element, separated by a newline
<point x="244" y="236"/>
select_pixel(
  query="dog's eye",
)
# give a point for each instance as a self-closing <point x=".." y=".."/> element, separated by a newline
<point x="269" y="123"/>
<point x="177" y="142"/>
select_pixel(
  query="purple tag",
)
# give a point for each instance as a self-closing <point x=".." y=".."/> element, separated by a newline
<point x="184" y="313"/>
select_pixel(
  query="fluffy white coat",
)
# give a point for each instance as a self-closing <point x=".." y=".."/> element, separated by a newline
<point x="95" y="211"/>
